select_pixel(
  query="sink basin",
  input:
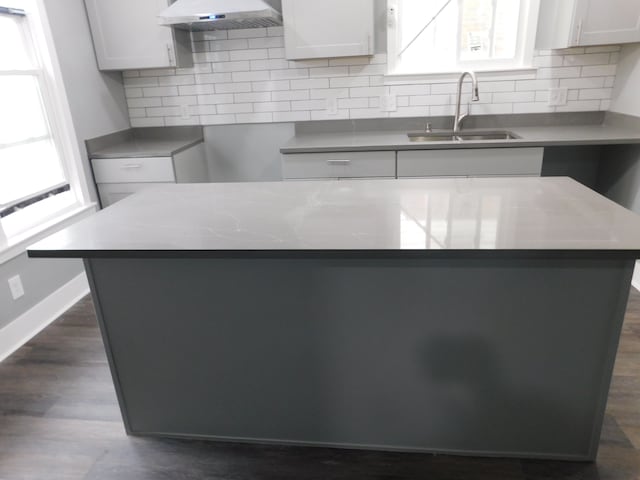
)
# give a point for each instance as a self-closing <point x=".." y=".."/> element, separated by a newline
<point x="461" y="136"/>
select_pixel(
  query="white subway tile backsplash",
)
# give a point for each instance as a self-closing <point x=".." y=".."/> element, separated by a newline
<point x="309" y="83"/>
<point x="195" y="89"/>
<point x="269" y="42"/>
<point x="270" y="64"/>
<point x="272" y="107"/>
<point x="265" y="117"/>
<point x="289" y="74"/>
<point x="183" y="100"/>
<point x="233" y="87"/>
<point x="341" y="82"/>
<point x="309" y="105"/>
<point x="599" y="70"/>
<point x="367" y="91"/>
<point x="132" y="92"/>
<point x="177" y="80"/>
<point x="273" y="85"/>
<point x="353" y="103"/>
<point x="254" y="76"/>
<point x="235" y="108"/>
<point x="242" y="76"/>
<point x="584" y="82"/>
<point x="416" y="100"/>
<point x="253" y="54"/>
<point x="586" y="59"/>
<point x="147" y="122"/>
<point x="300" y="116"/>
<point x="215" y="99"/>
<point x="558" y="72"/>
<point x="595" y="94"/>
<point x="217" y="119"/>
<point x="329" y="72"/>
<point x="318" y="93"/>
<point x="163" y="111"/>
<point x="144" y="102"/>
<point x="248" y="33"/>
<point x="252" y="97"/>
<point x="510" y="97"/>
<point x="286" y="95"/>
<point x="214" y="77"/>
<point x="160" y="91"/>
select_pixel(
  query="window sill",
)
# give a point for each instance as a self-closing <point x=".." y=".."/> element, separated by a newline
<point x="18" y="245"/>
<point x="522" y="73"/>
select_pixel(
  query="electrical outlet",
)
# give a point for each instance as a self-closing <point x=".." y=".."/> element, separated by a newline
<point x="558" y="96"/>
<point x="185" y="112"/>
<point x="332" y="106"/>
<point x="388" y="103"/>
<point x="15" y="285"/>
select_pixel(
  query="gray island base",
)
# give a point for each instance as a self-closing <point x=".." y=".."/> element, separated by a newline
<point x="479" y="316"/>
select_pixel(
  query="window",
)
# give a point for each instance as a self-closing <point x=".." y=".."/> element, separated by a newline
<point x="441" y="36"/>
<point x="34" y="181"/>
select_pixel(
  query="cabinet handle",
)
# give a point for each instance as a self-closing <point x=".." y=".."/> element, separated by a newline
<point x="131" y="166"/>
<point x="339" y="162"/>
<point x="578" y="32"/>
<point x="172" y="61"/>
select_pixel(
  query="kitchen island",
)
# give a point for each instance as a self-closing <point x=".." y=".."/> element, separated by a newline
<point x="474" y="316"/>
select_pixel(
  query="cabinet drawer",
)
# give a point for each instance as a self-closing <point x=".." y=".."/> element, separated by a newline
<point x="470" y="162"/>
<point x="338" y="165"/>
<point x="126" y="170"/>
<point x="112" y="192"/>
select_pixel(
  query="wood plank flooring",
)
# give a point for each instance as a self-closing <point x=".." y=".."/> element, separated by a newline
<point x="59" y="419"/>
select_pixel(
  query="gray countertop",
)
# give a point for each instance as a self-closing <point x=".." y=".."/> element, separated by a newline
<point x="530" y="136"/>
<point x="477" y="217"/>
<point x="145" y="142"/>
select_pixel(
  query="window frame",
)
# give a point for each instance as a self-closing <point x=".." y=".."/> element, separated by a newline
<point x="61" y="131"/>
<point x="523" y="62"/>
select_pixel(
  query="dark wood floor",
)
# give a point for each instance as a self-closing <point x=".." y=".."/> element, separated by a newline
<point x="59" y="420"/>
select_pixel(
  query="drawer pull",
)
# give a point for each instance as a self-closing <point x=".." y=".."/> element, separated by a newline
<point x="131" y="166"/>
<point x="339" y="162"/>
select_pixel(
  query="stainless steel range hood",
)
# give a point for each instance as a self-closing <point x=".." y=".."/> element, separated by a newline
<point x="221" y="14"/>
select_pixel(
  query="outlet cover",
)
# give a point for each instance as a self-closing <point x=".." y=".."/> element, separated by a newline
<point x="15" y="285"/>
<point x="332" y="106"/>
<point x="558" y="96"/>
<point x="388" y="103"/>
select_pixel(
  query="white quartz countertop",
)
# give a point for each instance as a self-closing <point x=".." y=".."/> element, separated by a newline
<point x="545" y="136"/>
<point x="422" y="217"/>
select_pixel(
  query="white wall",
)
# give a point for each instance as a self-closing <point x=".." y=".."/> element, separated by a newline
<point x="620" y="168"/>
<point x="97" y="101"/>
<point x="98" y="107"/>
<point x="626" y="92"/>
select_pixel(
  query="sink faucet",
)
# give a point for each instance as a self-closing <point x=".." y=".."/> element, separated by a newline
<point x="457" y="121"/>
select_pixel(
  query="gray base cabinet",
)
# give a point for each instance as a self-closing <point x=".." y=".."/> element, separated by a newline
<point x="474" y="162"/>
<point x="117" y="178"/>
<point x="299" y="166"/>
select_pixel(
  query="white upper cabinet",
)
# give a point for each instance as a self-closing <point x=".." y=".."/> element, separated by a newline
<point x="327" y="28"/>
<point x="573" y="23"/>
<point x="126" y="35"/>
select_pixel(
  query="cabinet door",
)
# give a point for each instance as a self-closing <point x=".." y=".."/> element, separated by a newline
<point x="603" y="22"/>
<point x="327" y="28"/>
<point x="338" y="165"/>
<point x="126" y="34"/>
<point x="111" y="193"/>
<point x="473" y="162"/>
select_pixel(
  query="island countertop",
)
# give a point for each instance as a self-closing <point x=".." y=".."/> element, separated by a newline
<point x="431" y="218"/>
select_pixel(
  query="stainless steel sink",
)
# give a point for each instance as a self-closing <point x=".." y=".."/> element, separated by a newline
<point x="449" y="136"/>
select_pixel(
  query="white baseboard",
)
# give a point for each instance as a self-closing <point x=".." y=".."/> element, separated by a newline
<point x="31" y="322"/>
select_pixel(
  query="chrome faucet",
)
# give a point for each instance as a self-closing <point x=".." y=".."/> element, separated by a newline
<point x="457" y="121"/>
